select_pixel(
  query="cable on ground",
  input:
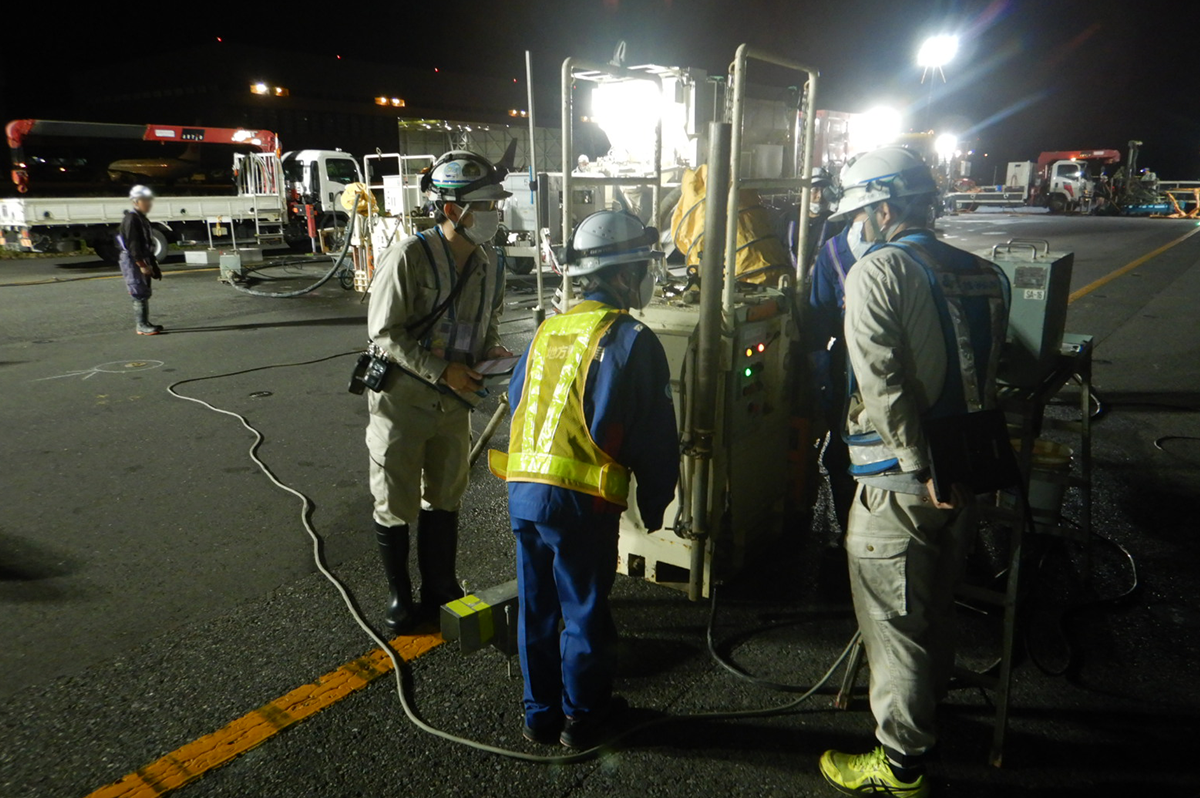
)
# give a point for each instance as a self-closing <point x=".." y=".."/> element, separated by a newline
<point x="333" y="270"/>
<point x="400" y="670"/>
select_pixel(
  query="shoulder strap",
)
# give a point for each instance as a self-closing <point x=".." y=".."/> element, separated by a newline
<point x="421" y="327"/>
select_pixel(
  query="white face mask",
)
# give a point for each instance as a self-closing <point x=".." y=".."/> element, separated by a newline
<point x="485" y="226"/>
<point x="858" y="244"/>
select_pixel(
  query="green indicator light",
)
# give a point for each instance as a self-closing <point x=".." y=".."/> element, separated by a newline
<point x="749" y="372"/>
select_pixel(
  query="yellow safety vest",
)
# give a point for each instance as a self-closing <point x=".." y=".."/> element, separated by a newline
<point x="550" y="441"/>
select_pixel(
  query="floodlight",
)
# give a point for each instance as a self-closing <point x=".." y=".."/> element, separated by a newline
<point x="937" y="51"/>
<point x="628" y="112"/>
<point x="946" y="145"/>
<point x="874" y="128"/>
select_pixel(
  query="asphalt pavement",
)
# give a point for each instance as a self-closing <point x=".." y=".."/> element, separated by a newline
<point x="154" y="586"/>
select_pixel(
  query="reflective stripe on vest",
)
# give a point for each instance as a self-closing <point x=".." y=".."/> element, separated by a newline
<point x="957" y="294"/>
<point x="550" y="441"/>
<point x="445" y="275"/>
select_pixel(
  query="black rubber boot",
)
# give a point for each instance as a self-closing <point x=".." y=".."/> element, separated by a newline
<point x="393" y="550"/>
<point x="437" y="549"/>
<point x="141" y="311"/>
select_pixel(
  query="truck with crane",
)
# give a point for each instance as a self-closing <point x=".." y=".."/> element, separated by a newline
<point x="1061" y="181"/>
<point x="215" y="186"/>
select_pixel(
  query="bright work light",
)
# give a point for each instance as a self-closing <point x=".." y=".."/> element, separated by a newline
<point x="946" y="145"/>
<point x="874" y="128"/>
<point x="937" y="51"/>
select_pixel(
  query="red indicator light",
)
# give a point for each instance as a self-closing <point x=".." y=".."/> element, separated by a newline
<point x="762" y="347"/>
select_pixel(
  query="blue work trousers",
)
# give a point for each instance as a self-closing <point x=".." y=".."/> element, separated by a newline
<point x="565" y="572"/>
<point x="137" y="283"/>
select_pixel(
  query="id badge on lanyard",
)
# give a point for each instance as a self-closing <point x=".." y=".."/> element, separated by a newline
<point x="454" y="340"/>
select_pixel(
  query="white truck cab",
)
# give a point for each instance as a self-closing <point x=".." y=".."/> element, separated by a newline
<point x="1070" y="184"/>
<point x="320" y="176"/>
<point x="317" y="178"/>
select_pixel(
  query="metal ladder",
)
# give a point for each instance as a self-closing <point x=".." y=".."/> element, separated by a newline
<point x="1025" y="408"/>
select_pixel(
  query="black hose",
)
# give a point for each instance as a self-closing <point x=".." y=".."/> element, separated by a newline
<point x="337" y="264"/>
<point x="738" y="671"/>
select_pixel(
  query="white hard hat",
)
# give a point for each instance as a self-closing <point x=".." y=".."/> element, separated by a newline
<point x="609" y="238"/>
<point x="140" y="192"/>
<point x="460" y="176"/>
<point x="882" y="174"/>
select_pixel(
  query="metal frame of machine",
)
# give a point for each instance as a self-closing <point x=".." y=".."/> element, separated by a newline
<point x="728" y="357"/>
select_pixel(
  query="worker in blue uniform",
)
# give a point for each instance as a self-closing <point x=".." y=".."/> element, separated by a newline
<point x="137" y="260"/>
<point x="595" y="408"/>
<point x="827" y="308"/>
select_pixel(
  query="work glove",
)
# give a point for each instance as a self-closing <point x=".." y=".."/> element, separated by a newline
<point x="157" y="272"/>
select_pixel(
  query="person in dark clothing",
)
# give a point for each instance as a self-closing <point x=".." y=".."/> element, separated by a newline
<point x="137" y="260"/>
<point x="594" y="408"/>
<point x="827" y="305"/>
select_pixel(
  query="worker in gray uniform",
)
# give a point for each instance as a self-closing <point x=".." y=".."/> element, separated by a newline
<point x="924" y="328"/>
<point x="434" y="312"/>
<point x="138" y="263"/>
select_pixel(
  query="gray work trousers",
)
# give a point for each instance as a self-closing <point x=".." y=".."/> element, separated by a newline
<point x="419" y="446"/>
<point x="906" y="557"/>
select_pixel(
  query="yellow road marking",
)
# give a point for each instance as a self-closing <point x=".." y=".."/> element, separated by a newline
<point x="100" y="277"/>
<point x="193" y="760"/>
<point x="1128" y="267"/>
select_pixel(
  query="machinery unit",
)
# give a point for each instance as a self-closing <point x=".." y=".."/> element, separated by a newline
<point x="1041" y="284"/>
<point x="749" y="473"/>
<point x="487" y="617"/>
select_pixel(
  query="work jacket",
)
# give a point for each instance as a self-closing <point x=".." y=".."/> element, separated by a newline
<point x="629" y="416"/>
<point x="827" y="303"/>
<point x="413" y="277"/>
<point x="133" y="236"/>
<point x="924" y="328"/>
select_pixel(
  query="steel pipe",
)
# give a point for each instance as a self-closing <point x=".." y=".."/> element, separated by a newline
<point x="708" y="358"/>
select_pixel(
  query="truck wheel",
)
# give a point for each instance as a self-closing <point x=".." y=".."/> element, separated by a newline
<point x="1057" y="203"/>
<point x="520" y="265"/>
<point x="161" y="245"/>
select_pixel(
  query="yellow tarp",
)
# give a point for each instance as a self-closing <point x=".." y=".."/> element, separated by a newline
<point x="761" y="256"/>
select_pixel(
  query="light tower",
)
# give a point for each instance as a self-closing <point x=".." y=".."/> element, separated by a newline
<point x="935" y="53"/>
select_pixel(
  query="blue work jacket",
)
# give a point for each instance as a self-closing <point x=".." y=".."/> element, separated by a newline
<point x="630" y="413"/>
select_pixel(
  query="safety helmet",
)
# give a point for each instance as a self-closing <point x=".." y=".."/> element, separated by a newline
<point x="609" y="238"/>
<point x="460" y="176"/>
<point x="883" y="174"/>
<point x="140" y="192"/>
<point x="820" y="177"/>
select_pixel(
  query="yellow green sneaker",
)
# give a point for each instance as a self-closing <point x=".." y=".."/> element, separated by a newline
<point x="868" y="774"/>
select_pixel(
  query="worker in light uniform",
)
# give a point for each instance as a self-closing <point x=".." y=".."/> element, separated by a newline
<point x="594" y="409"/>
<point x="136" y="257"/>
<point x="434" y="311"/>
<point x="924" y="327"/>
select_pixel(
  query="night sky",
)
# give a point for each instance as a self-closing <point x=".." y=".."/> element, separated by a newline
<point x="1032" y="75"/>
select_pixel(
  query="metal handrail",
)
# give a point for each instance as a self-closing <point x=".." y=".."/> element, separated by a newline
<point x="400" y="161"/>
<point x="569" y="69"/>
<point x="744" y="53"/>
